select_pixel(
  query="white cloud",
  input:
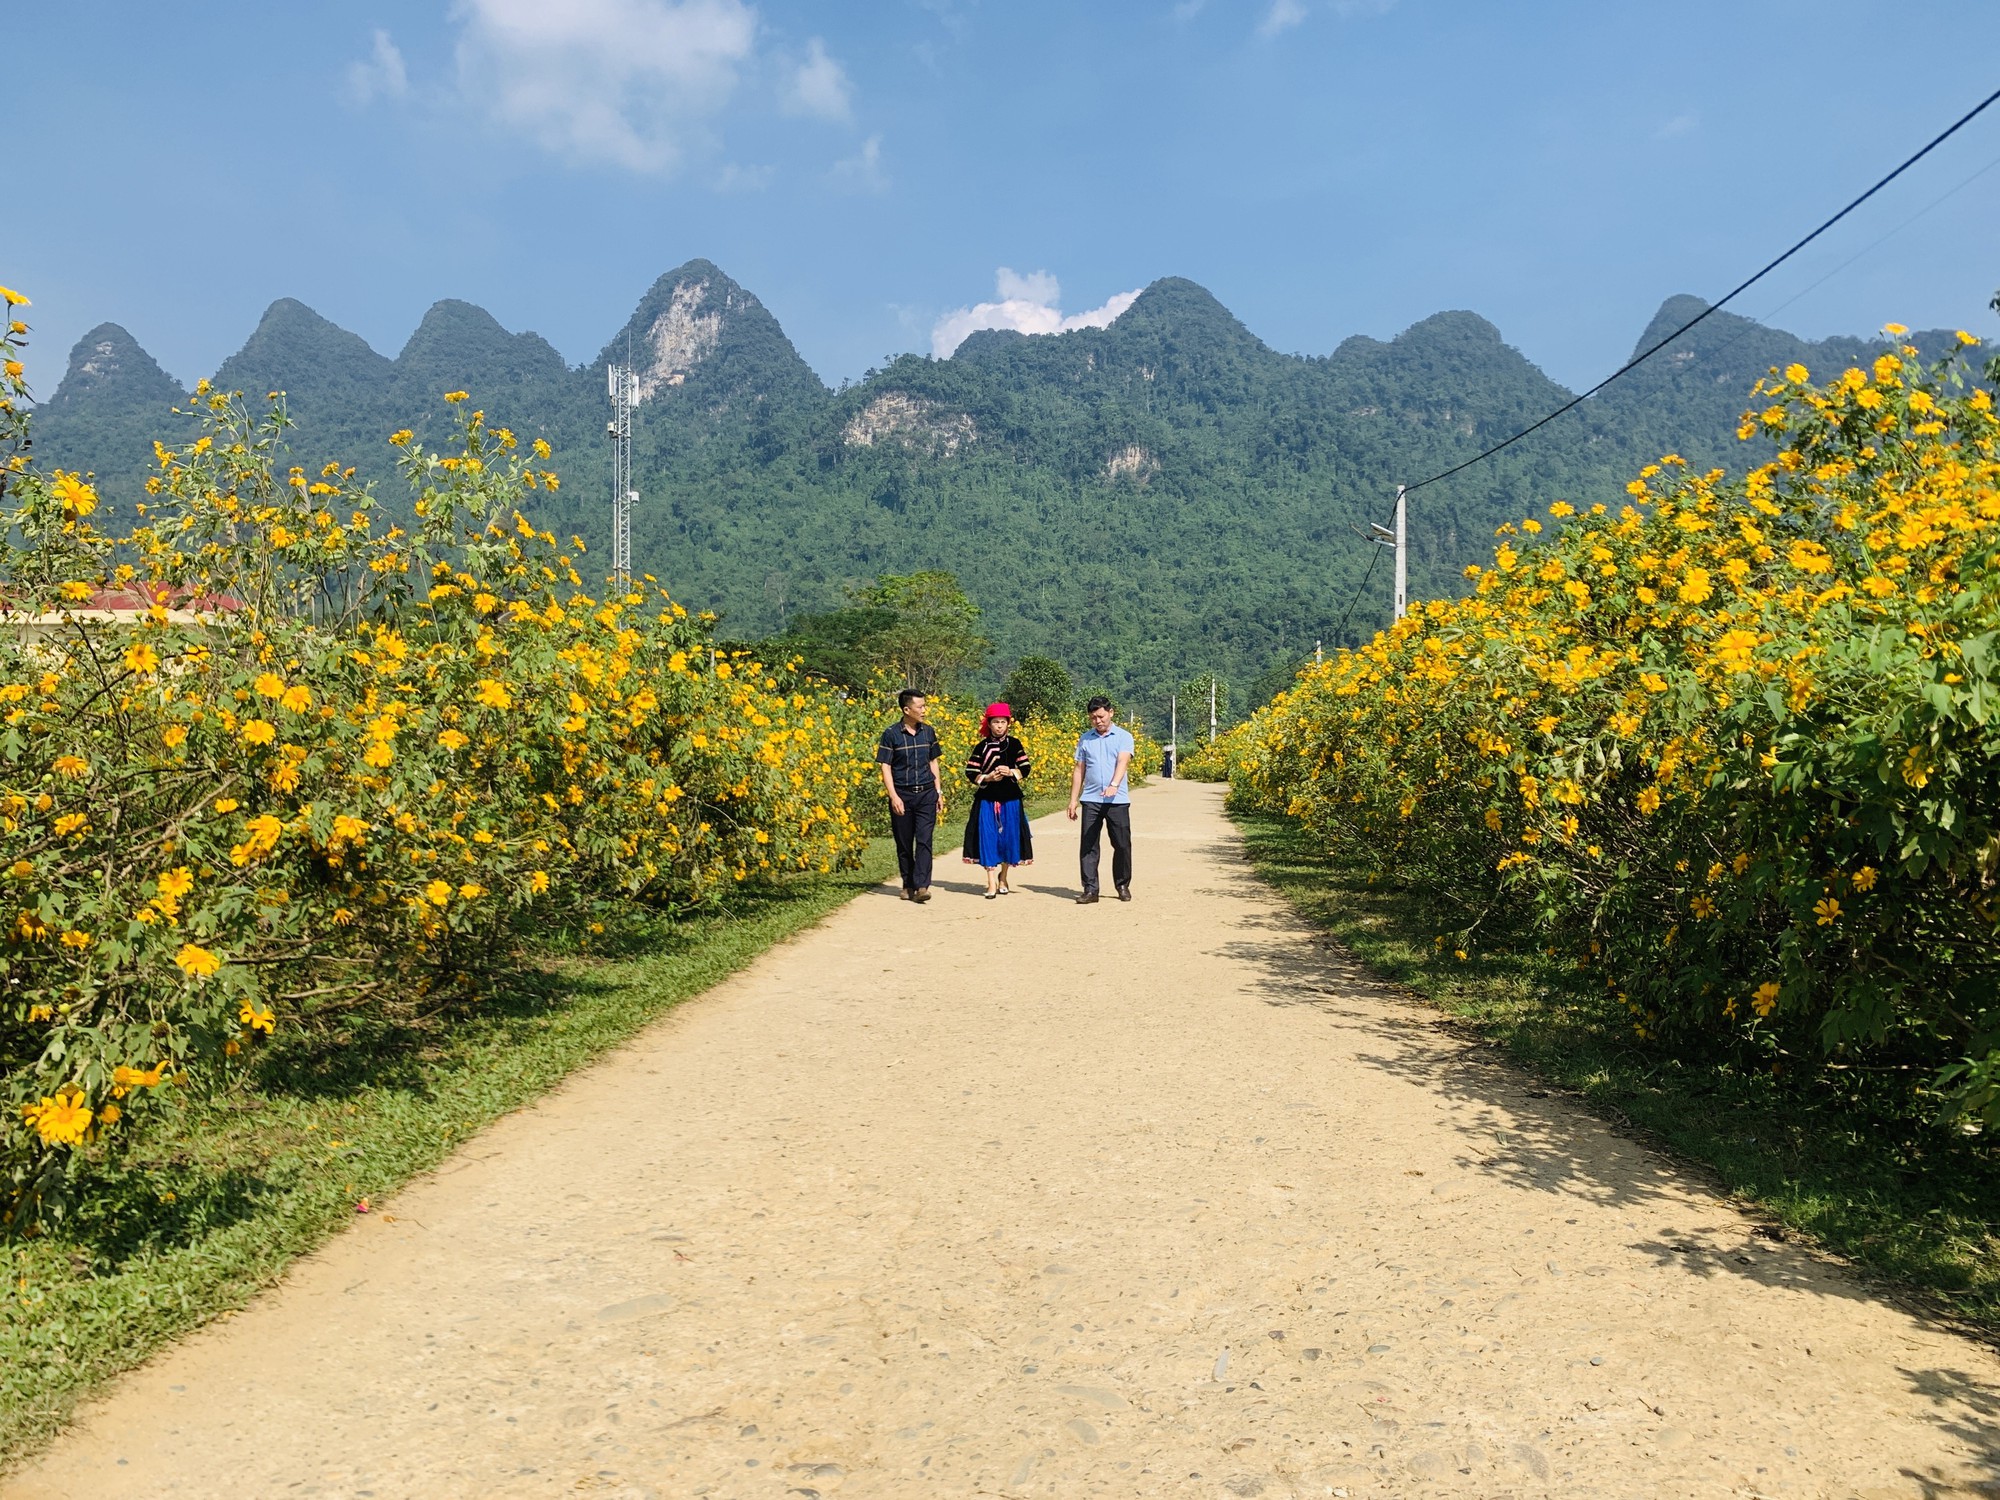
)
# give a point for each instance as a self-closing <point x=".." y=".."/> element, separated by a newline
<point x="1285" y="14"/>
<point x="381" y="75"/>
<point x="1037" y="286"/>
<point x="620" y="81"/>
<point x="736" y="177"/>
<point x="1678" y="125"/>
<point x="1282" y="16"/>
<point x="1187" y="10"/>
<point x="861" y="172"/>
<point x="1028" y="304"/>
<point x="819" y="86"/>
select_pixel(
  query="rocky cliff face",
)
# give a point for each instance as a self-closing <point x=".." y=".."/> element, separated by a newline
<point x="915" y="424"/>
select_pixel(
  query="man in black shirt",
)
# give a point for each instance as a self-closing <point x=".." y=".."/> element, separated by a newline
<point x="909" y="754"/>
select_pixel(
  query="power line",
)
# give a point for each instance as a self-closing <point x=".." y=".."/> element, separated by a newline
<point x="1764" y="319"/>
<point x="1341" y="629"/>
<point x="1638" y="359"/>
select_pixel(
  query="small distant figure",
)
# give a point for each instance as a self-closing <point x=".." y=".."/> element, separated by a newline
<point x="996" y="832"/>
<point x="1100" y="792"/>
<point x="908" y="754"/>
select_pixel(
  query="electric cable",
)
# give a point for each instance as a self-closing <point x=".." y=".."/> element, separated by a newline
<point x="1714" y="307"/>
<point x="1640" y="358"/>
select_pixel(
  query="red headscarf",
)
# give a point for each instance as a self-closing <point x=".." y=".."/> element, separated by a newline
<point x="994" y="711"/>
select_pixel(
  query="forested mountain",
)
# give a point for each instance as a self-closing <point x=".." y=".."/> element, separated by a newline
<point x="1142" y="501"/>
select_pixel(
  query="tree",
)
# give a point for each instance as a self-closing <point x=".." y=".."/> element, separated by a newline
<point x="838" y="646"/>
<point x="929" y="639"/>
<point x="1038" y="687"/>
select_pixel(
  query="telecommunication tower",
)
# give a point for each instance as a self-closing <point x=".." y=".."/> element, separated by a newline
<point x="623" y="381"/>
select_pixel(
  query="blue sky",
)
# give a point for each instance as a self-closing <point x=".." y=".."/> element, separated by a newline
<point x="1325" y="167"/>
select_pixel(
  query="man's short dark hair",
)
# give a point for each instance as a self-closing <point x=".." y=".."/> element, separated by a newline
<point x="903" y="698"/>
<point x="1095" y="704"/>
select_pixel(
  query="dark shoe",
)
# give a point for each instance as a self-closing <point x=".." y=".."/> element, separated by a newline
<point x="1088" y="898"/>
<point x="908" y="894"/>
<point x="992" y="895"/>
<point x="922" y="895"/>
<point x="1124" y="893"/>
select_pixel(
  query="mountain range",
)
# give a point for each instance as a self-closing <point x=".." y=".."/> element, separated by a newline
<point x="1145" y="501"/>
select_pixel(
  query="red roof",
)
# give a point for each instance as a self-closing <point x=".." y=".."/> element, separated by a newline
<point x="136" y="596"/>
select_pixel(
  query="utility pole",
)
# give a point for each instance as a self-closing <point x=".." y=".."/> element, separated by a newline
<point x="1211" y="708"/>
<point x="1319" y="653"/>
<point x="1402" y="553"/>
<point x="1396" y="539"/>
<point x="623" y="381"/>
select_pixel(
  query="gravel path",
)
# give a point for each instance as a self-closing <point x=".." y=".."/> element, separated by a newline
<point x="1014" y="1198"/>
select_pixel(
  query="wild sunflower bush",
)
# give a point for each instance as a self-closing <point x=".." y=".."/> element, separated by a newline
<point x="322" y="763"/>
<point x="1735" y="743"/>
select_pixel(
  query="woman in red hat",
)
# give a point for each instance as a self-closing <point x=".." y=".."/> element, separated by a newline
<point x="996" y="832"/>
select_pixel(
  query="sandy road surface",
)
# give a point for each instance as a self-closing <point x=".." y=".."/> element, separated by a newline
<point x="1015" y="1198"/>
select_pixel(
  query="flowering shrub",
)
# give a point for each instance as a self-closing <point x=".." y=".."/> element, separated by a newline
<point x="324" y="763"/>
<point x="1737" y="743"/>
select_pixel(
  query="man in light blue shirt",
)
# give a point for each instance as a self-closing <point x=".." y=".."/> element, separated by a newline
<point x="1100" y="792"/>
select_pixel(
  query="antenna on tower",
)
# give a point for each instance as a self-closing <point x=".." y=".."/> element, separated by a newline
<point x="623" y="383"/>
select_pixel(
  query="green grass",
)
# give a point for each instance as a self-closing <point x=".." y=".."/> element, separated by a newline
<point x="218" y="1196"/>
<point x="1914" y="1204"/>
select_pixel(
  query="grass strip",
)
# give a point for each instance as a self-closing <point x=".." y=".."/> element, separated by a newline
<point x="222" y="1194"/>
<point x="1913" y="1204"/>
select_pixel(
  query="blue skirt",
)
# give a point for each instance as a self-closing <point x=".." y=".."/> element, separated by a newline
<point x="1000" y="829"/>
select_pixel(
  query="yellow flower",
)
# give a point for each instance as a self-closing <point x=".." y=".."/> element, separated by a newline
<point x="451" y="739"/>
<point x="259" y="732"/>
<point x="197" y="962"/>
<point x="1649" y="801"/>
<point x="269" y="684"/>
<point x="438" y="892"/>
<point x="140" y="657"/>
<point x="296" y="698"/>
<point x="1734" y="648"/>
<point x="1827" y="909"/>
<point x="70" y="765"/>
<point x="1797" y="374"/>
<point x="70" y="823"/>
<point x="61" y="1121"/>
<point x="13" y="298"/>
<point x="226" y="804"/>
<point x="1864" y="878"/>
<point x="348" y="830"/>
<point x="471" y="891"/>
<point x="454" y="397"/>
<point x="379" y="754"/>
<point x="1695" y="587"/>
<point x="400" y="437"/>
<point x="1766" y="998"/>
<point x="264" y="831"/>
<point x="493" y="694"/>
<point x="176" y="883"/>
<point x="256" y="1020"/>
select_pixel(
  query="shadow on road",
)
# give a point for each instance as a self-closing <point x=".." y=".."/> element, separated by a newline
<point x="1514" y="1132"/>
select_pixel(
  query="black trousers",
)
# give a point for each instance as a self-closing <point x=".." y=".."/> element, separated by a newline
<point x="1116" y="817"/>
<point x="914" y="827"/>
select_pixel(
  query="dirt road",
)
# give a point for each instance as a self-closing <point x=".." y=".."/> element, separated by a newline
<point x="1018" y="1198"/>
